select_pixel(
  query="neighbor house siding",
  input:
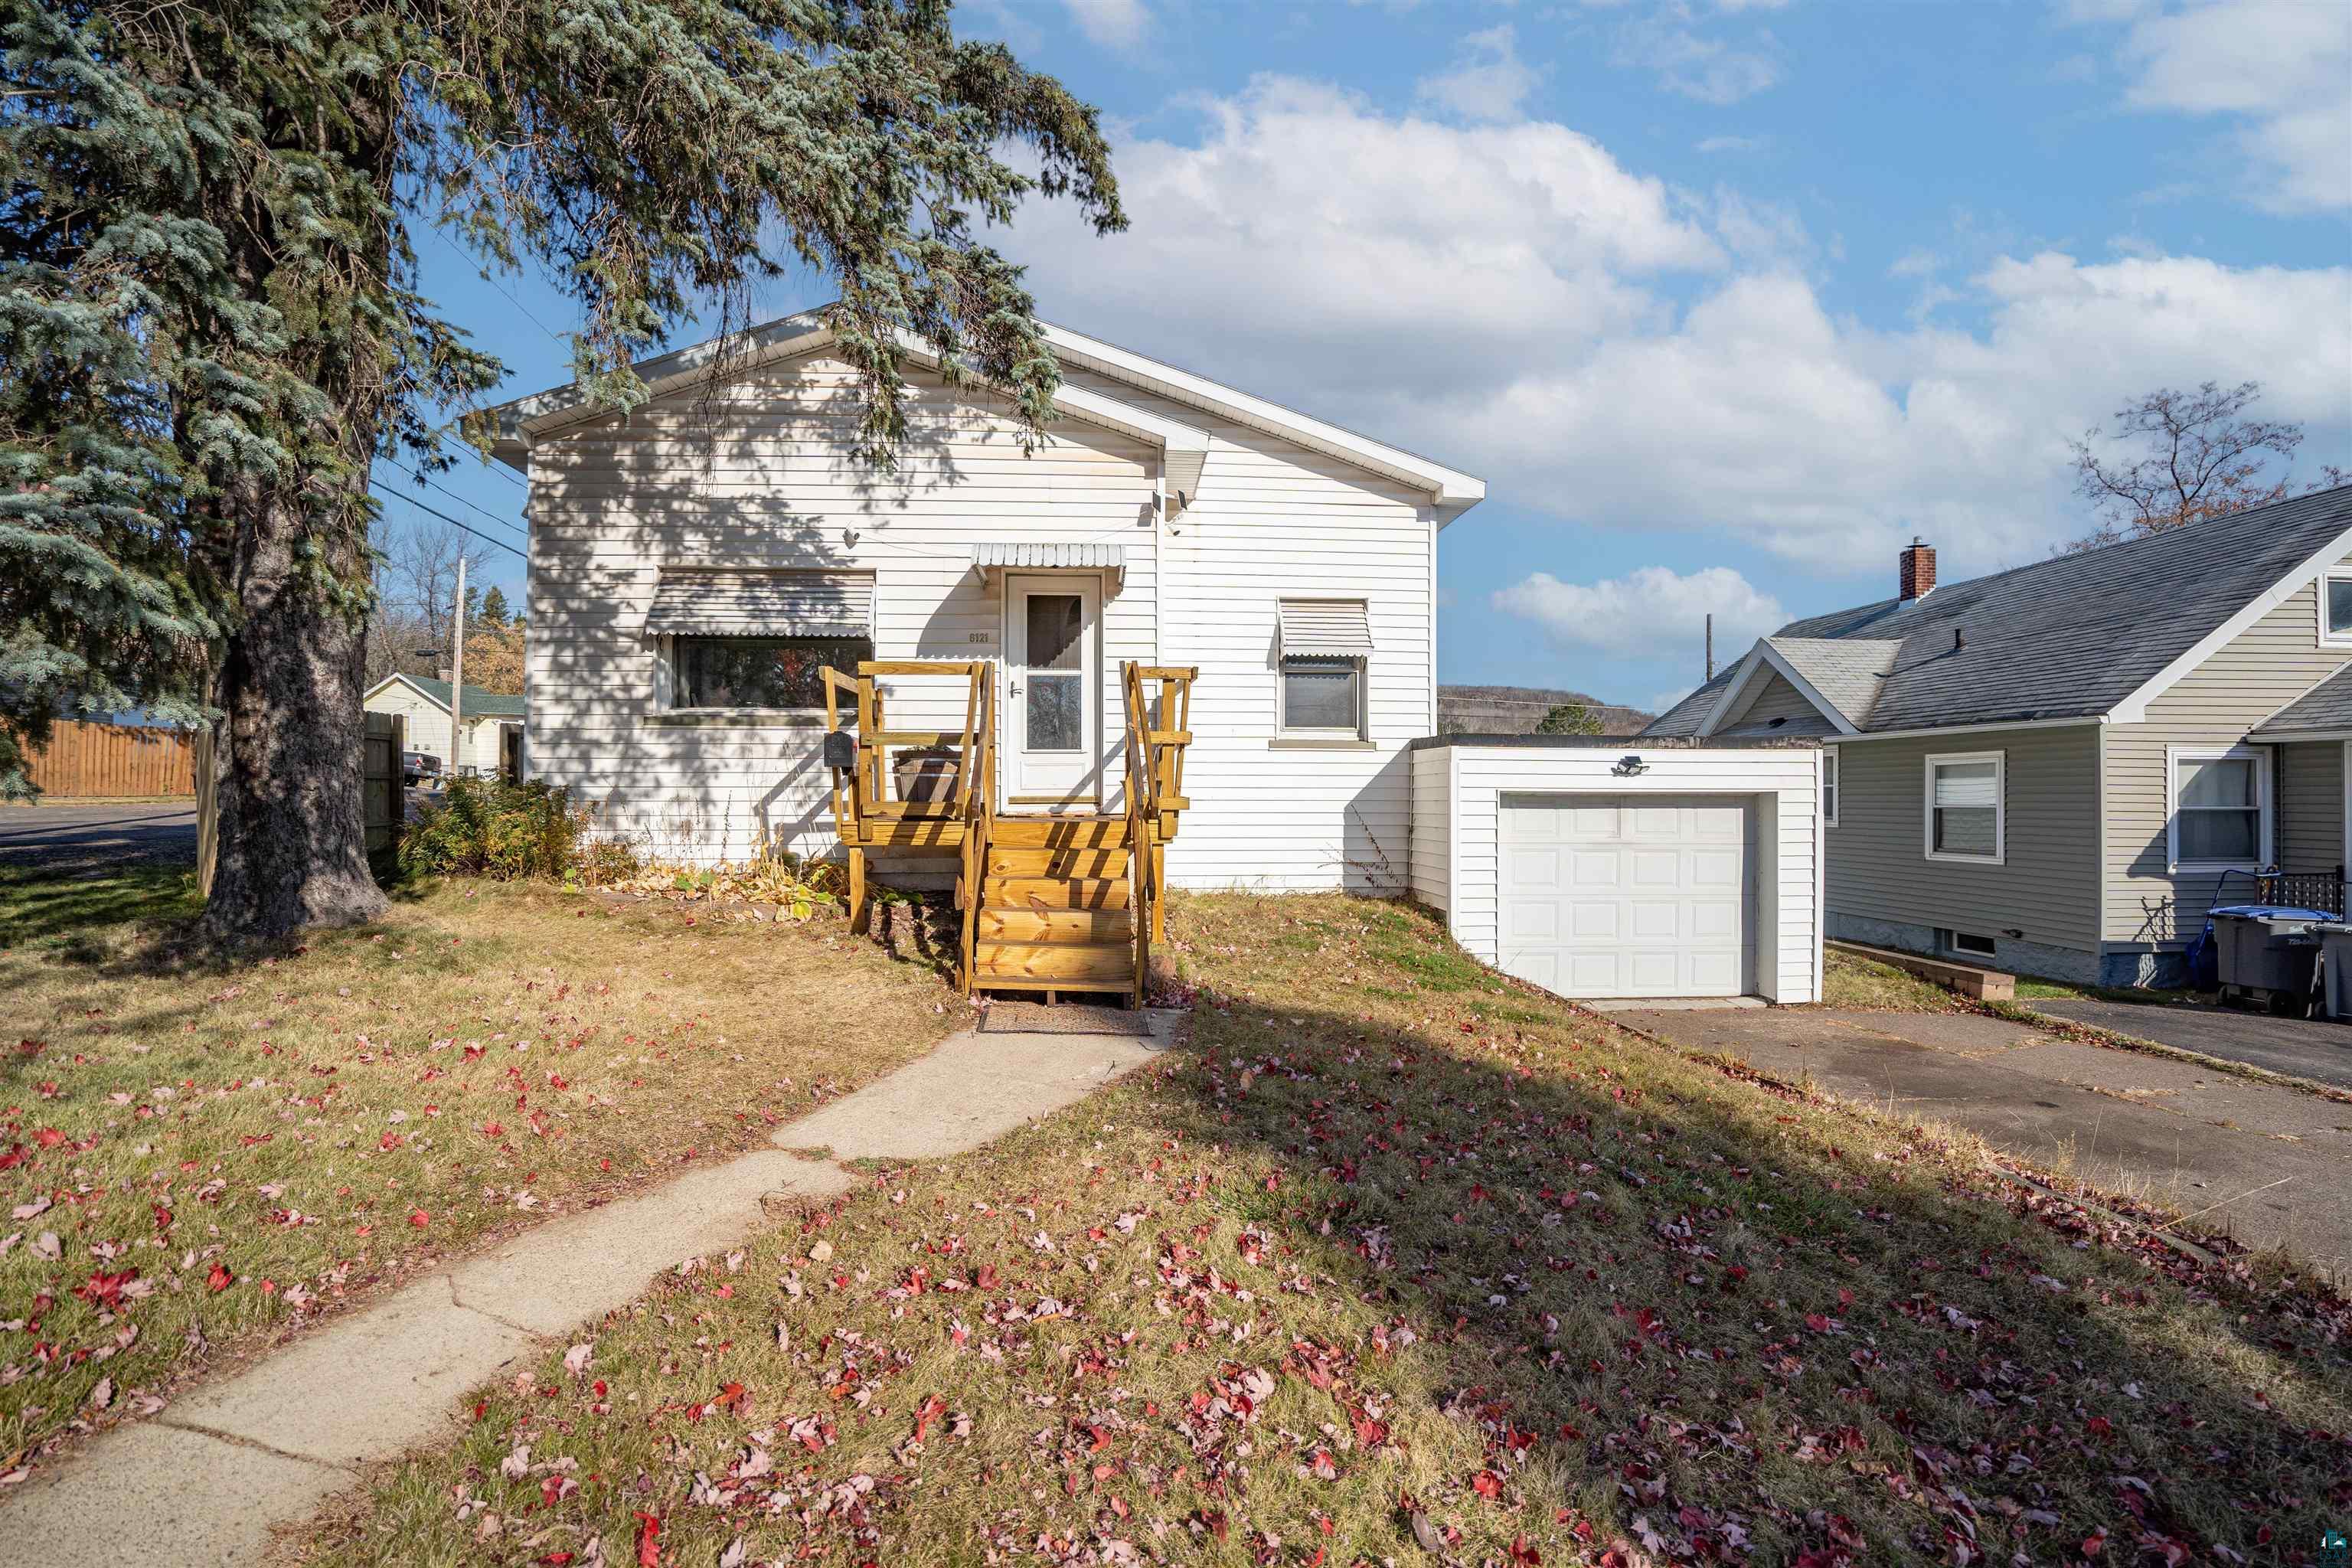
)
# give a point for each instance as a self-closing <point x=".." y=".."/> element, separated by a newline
<point x="2047" y="885"/>
<point x="1774" y="698"/>
<point x="427" y="721"/>
<point x="758" y="473"/>
<point x="2311" y="805"/>
<point x="2262" y="669"/>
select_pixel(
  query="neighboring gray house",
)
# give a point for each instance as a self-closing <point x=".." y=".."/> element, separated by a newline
<point x="2060" y="768"/>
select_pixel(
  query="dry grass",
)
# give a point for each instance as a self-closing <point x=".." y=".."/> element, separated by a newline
<point x="203" y="1151"/>
<point x="1851" y="982"/>
<point x="1400" y="1262"/>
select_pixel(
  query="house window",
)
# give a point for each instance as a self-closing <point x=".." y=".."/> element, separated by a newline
<point x="758" y="672"/>
<point x="1965" y="807"/>
<point x="1968" y="944"/>
<point x="1829" y="786"/>
<point x="2221" y="808"/>
<point x="1322" y="696"/>
<point x="2335" y="606"/>
<point x="1326" y="647"/>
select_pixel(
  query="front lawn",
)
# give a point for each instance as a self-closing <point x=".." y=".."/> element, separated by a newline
<point x="1396" y="1261"/>
<point x="198" y="1153"/>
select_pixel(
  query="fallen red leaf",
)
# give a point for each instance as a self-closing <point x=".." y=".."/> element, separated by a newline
<point x="419" y="1218"/>
<point x="649" y="1542"/>
<point x="220" y="1278"/>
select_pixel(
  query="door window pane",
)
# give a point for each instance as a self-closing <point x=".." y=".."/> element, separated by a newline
<point x="1056" y="622"/>
<point x="1321" y="694"/>
<point x="1057" y="706"/>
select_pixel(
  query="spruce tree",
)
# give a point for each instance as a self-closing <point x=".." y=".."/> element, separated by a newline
<point x="211" y="325"/>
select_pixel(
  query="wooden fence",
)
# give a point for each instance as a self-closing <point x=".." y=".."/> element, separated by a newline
<point x="83" y="760"/>
<point x="384" y="792"/>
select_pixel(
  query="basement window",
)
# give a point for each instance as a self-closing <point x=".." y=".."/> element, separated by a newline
<point x="1968" y="944"/>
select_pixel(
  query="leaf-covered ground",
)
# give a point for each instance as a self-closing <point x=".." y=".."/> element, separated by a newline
<point x="196" y="1154"/>
<point x="1398" y="1262"/>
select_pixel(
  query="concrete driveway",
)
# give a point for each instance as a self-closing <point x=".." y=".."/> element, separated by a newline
<point x="2270" y="1165"/>
<point x="67" y="837"/>
<point x="2304" y="1047"/>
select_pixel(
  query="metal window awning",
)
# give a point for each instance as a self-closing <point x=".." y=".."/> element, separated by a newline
<point x="1087" y="557"/>
<point x="1326" y="628"/>
<point x="724" y="602"/>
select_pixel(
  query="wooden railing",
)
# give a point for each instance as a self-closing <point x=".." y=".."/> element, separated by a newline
<point x="978" y="801"/>
<point x="866" y="811"/>
<point x="1158" y="731"/>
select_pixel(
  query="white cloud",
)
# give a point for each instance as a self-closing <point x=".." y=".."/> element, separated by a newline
<point x="1488" y="79"/>
<point x="1690" y="61"/>
<point x="1615" y="352"/>
<point x="2278" y="67"/>
<point x="1112" y="24"/>
<point x="1714" y="145"/>
<point x="1646" y="610"/>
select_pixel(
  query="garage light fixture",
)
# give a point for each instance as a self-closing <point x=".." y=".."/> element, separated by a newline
<point x="1628" y="765"/>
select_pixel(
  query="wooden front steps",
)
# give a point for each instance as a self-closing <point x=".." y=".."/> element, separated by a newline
<point x="1054" y="912"/>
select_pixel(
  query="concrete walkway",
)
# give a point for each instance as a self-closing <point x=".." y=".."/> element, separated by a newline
<point x="206" y="1480"/>
<point x="2268" y="1164"/>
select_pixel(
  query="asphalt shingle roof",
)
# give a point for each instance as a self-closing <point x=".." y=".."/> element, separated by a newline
<point x="480" y="704"/>
<point x="2325" y="707"/>
<point x="2067" y="638"/>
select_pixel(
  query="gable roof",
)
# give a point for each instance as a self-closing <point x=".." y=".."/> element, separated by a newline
<point x="2089" y="635"/>
<point x="2324" y="710"/>
<point x="1183" y="447"/>
<point x="480" y="704"/>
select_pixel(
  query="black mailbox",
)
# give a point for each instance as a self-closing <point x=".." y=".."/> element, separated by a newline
<point x="840" y="749"/>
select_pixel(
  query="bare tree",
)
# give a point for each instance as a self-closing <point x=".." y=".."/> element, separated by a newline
<point x="2202" y="460"/>
<point x="421" y="573"/>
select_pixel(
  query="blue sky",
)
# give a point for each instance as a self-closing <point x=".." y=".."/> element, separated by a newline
<point x="1725" y="299"/>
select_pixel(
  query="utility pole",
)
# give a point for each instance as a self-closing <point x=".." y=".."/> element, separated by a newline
<point x="1710" y="629"/>
<point x="457" y="674"/>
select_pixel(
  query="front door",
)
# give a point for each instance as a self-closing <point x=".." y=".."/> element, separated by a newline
<point x="1051" y="688"/>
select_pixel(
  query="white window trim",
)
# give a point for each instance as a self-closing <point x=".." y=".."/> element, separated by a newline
<point x="1999" y="761"/>
<point x="1833" y="786"/>
<point x="1952" y="946"/>
<point x="2328" y="640"/>
<point x="1359" y="731"/>
<point x="2176" y="755"/>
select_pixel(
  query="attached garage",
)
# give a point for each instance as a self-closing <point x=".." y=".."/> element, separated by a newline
<point x="1606" y="867"/>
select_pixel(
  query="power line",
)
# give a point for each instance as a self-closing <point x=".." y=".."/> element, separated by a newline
<point x="507" y="474"/>
<point x="491" y="279"/>
<point x="451" y="521"/>
<point x="425" y="479"/>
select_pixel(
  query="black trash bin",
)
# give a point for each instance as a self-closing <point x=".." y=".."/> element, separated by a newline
<point x="2267" y="953"/>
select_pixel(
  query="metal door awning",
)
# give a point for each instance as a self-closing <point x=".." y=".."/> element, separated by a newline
<point x="1085" y="557"/>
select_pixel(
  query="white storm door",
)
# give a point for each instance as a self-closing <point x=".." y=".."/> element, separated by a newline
<point x="1612" y="894"/>
<point x="1053" y="685"/>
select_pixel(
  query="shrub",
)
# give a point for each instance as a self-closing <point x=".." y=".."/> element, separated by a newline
<point x="488" y="827"/>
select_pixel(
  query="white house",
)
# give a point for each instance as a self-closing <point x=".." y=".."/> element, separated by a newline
<point x="694" y="563"/>
<point x="424" y="702"/>
<point x="698" y="562"/>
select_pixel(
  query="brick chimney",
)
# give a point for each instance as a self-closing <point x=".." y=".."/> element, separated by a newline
<point x="1915" y="571"/>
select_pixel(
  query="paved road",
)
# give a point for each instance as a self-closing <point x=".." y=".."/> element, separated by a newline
<point x="96" y="837"/>
<point x="2273" y="1166"/>
<point x="2304" y="1047"/>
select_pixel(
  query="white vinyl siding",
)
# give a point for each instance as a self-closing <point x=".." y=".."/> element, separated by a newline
<point x="759" y="474"/>
<point x="2266" y="666"/>
<point x="1432" y="825"/>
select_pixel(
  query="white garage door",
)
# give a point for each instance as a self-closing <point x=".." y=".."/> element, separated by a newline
<point x="1616" y="895"/>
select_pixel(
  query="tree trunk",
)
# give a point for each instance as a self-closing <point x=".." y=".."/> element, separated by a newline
<point x="286" y="748"/>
